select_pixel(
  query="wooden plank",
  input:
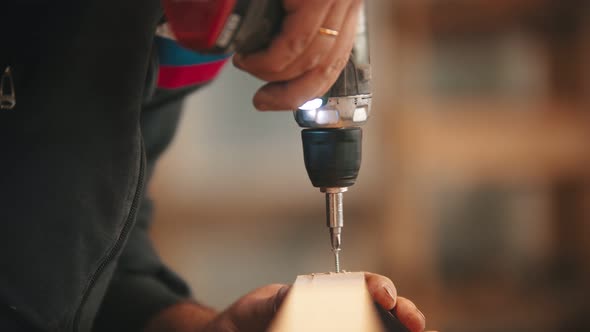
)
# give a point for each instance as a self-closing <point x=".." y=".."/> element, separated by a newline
<point x="328" y="302"/>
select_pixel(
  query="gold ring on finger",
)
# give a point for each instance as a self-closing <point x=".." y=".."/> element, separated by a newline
<point x="329" y="32"/>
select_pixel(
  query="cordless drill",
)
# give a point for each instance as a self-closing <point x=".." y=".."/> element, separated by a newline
<point x="332" y="135"/>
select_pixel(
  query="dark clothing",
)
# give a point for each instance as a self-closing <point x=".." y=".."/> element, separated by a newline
<point x="141" y="282"/>
<point x="73" y="167"/>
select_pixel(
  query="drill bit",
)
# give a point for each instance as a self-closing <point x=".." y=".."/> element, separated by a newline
<point x="337" y="260"/>
<point x="335" y="221"/>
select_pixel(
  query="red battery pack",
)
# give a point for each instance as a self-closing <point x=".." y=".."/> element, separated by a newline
<point x="197" y="24"/>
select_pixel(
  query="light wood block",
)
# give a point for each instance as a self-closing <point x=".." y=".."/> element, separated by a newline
<point x="328" y="302"/>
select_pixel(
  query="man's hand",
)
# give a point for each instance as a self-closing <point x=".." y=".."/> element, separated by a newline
<point x="301" y="63"/>
<point x="255" y="311"/>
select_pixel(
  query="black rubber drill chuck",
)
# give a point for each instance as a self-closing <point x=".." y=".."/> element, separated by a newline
<point x="332" y="156"/>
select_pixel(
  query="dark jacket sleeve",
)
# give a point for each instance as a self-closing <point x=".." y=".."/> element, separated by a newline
<point x="142" y="285"/>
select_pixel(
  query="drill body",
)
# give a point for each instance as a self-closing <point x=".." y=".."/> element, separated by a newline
<point x="332" y="137"/>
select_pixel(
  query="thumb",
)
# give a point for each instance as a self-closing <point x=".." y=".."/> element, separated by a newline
<point x="270" y="306"/>
<point x="255" y="311"/>
<point x="280" y="297"/>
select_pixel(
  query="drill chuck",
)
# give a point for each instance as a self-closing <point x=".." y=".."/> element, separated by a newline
<point x="332" y="156"/>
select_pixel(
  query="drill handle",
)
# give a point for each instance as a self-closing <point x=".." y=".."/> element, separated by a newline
<point x="261" y="22"/>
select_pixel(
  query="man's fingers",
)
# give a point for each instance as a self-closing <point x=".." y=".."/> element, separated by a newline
<point x="409" y="315"/>
<point x="292" y="94"/>
<point x="317" y="52"/>
<point x="256" y="311"/>
<point x="384" y="293"/>
<point x="322" y="44"/>
<point x="382" y="290"/>
<point x="344" y="45"/>
<point x="280" y="298"/>
<point x="271" y="297"/>
<point x="300" y="27"/>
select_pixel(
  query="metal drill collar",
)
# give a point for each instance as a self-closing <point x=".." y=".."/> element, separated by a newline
<point x="333" y="190"/>
<point x="338" y="112"/>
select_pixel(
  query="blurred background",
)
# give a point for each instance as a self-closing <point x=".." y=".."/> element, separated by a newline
<point x="474" y="195"/>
